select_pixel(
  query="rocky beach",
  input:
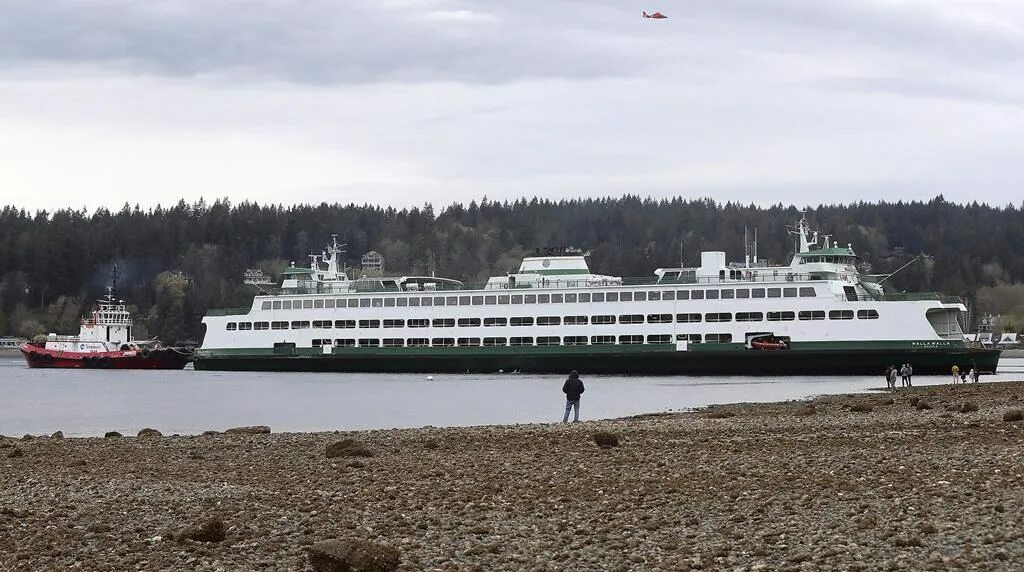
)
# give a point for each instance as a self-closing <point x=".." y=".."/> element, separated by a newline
<point x="920" y="479"/>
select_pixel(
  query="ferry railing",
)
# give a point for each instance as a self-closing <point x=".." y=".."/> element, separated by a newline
<point x="902" y="297"/>
<point x="227" y="312"/>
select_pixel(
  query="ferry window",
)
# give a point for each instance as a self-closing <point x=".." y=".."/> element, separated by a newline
<point x="692" y="338"/>
<point x="549" y="341"/>
<point x="775" y="292"/>
<point x="861" y="315"/>
<point x="490" y="342"/>
<point x="668" y="295"/>
<point x="749" y="316"/>
<point x="490" y="300"/>
<point x="317" y="343"/>
<point x="469" y="342"/>
<point x="688" y="318"/>
<point x="781" y="316"/>
<point x="543" y="298"/>
<point x="442" y="342"/>
<point x="757" y="292"/>
<point x="414" y="301"/>
<point x="464" y="300"/>
<point x="631" y="340"/>
<point x="417" y="342"/>
<point x="659" y="318"/>
<point x="812" y="315"/>
<point x="602" y="320"/>
<point x="305" y="304"/>
<point x="521" y="321"/>
<point x="597" y="296"/>
<point x="364" y="302"/>
<point x="369" y="323"/>
<point x="840" y="315"/>
<point x="318" y="303"/>
<point x="353" y="302"/>
<point x="388" y="302"/>
<point x="439" y="301"/>
<point x="556" y="298"/>
<point x="575" y="321"/>
<point x="347" y="343"/>
<point x="696" y="294"/>
<point x="278" y="325"/>
<point x="626" y="296"/>
<point x="402" y="302"/>
<point x="517" y="298"/>
<point x="654" y="296"/>
<point x="393" y="342"/>
<point x="394" y="323"/>
<point x="503" y="299"/>
<point x="452" y="300"/>
<point x="530" y="298"/>
<point x="631" y="319"/>
<point x="718" y="317"/>
<point x="728" y="294"/>
<point x="478" y="300"/>
<point x="575" y="340"/>
<point x="469" y="322"/>
<point x="570" y="298"/>
<point x="807" y="292"/>
<point x="300" y="325"/>
<point x="789" y="292"/>
<point x="444" y="322"/>
<point x="322" y="324"/>
<point x="602" y="340"/>
<point x="286" y="305"/>
<point x="683" y="295"/>
<point x="261" y="326"/>
<point x="344" y="324"/>
<point x="426" y="301"/>
<point x="612" y="296"/>
<point x="660" y="339"/>
<point x="369" y="342"/>
<point x="548" y="320"/>
<point x="277" y="304"/>
<point x="232" y="326"/>
<point x="712" y="294"/>
<point x="265" y="305"/>
<point x="718" y="338"/>
<point x="490" y="322"/>
<point x="742" y="293"/>
<point x="523" y="341"/>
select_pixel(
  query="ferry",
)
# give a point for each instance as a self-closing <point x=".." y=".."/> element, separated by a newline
<point x="817" y="315"/>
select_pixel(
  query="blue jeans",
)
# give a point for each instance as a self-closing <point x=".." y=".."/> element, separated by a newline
<point x="571" y="404"/>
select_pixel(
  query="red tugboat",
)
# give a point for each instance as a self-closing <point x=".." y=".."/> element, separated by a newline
<point x="104" y="342"/>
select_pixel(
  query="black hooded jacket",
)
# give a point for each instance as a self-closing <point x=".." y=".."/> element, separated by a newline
<point x="573" y="387"/>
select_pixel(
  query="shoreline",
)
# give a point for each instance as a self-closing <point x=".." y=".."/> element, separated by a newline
<point x="852" y="481"/>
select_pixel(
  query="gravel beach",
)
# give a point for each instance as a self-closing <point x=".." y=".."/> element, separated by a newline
<point x="921" y="479"/>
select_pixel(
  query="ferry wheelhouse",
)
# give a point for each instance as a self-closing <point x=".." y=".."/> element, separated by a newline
<point x="816" y="315"/>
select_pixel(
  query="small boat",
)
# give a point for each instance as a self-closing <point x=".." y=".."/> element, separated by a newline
<point x="768" y="344"/>
<point x="104" y="341"/>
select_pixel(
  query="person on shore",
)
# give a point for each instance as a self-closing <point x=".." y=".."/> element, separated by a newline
<point x="973" y="375"/>
<point x="956" y="373"/>
<point x="903" y="375"/>
<point x="910" y="374"/>
<point x="892" y="377"/>
<point x="888" y="377"/>
<point x="573" y="389"/>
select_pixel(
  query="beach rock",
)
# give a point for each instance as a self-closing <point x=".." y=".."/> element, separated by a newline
<point x="968" y="407"/>
<point x="212" y="530"/>
<point x="913" y="401"/>
<point x="112" y="435"/>
<point x="77" y="463"/>
<point x="348" y="448"/>
<point x="1013" y="415"/>
<point x="147" y="432"/>
<point x="5" y="444"/>
<point x="861" y="408"/>
<point x="922" y="405"/>
<point x="806" y="410"/>
<point x="606" y="439"/>
<point x="721" y="414"/>
<point x="15" y="452"/>
<point x="57" y="435"/>
<point x="210" y="433"/>
<point x="249" y="430"/>
<point x="352" y="556"/>
<point x="27" y="437"/>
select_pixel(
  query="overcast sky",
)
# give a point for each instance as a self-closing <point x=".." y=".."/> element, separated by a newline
<point x="408" y="101"/>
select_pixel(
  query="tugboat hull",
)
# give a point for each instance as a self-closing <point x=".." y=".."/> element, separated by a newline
<point x="162" y="358"/>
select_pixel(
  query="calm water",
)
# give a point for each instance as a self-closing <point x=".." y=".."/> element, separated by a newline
<point x="93" y="402"/>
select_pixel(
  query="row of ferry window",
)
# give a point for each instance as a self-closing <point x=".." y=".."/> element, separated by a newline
<point x="785" y="316"/>
<point x="585" y="297"/>
<point x="519" y="341"/>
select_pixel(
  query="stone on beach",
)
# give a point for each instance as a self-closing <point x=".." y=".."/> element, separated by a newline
<point x="606" y="439"/>
<point x="352" y="556"/>
<point x="15" y="452"/>
<point x="1013" y="415"/>
<point x="112" y="435"/>
<point x="968" y="407"/>
<point x="57" y="435"/>
<point x="147" y="432"/>
<point x="348" y="448"/>
<point x="213" y="530"/>
<point x="862" y="408"/>
<point x="249" y="430"/>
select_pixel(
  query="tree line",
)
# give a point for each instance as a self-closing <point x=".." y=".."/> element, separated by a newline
<point x="176" y="262"/>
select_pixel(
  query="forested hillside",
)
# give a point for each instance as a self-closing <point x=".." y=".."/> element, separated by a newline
<point x="176" y="262"/>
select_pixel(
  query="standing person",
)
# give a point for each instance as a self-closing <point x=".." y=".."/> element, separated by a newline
<point x="892" y="377"/>
<point x="974" y="375"/>
<point x="903" y="375"/>
<point x="910" y="374"/>
<point x="573" y="389"/>
<point x="956" y="373"/>
<point x="888" y="377"/>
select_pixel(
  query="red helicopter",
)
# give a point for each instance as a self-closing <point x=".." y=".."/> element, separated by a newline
<point x="656" y="16"/>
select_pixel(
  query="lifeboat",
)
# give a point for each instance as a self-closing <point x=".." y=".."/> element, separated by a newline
<point x="768" y="344"/>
